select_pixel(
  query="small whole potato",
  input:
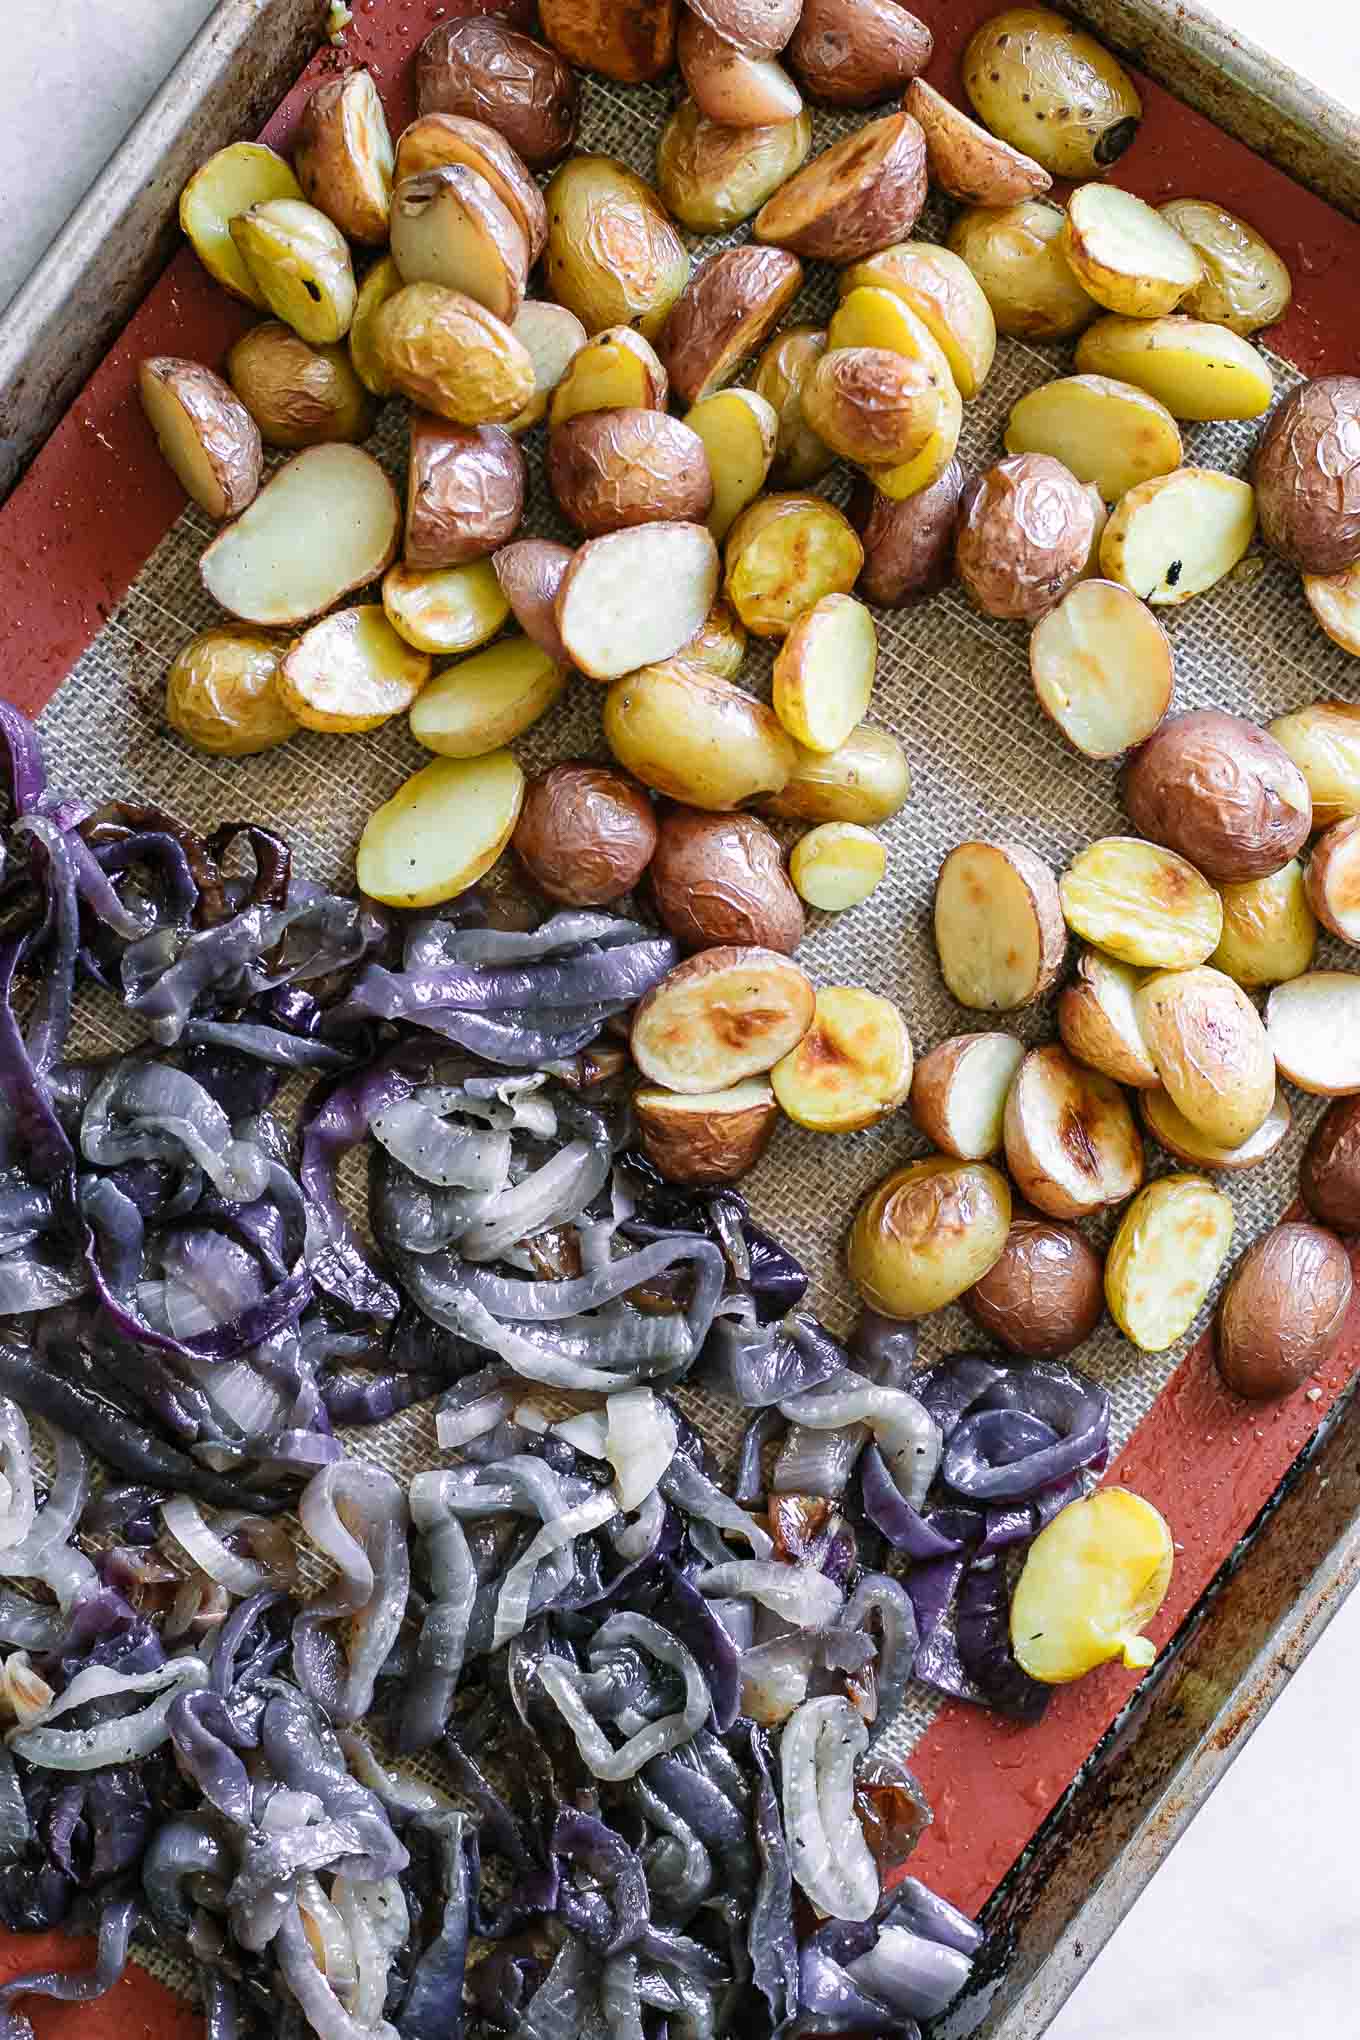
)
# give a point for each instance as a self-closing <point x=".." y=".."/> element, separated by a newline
<point x="464" y="492"/>
<point x="927" y="1234"/>
<point x="1283" y="1312"/>
<point x="1015" y="254"/>
<point x="608" y="469"/>
<point x="720" y="878"/>
<point x="585" y="835"/>
<point x="1026" y="528"/>
<point x="222" y="693"/>
<point x="686" y="733"/>
<point x="486" y="70"/>
<point x="613" y="256"/>
<point x="1050" y="89"/>
<point x="1222" y="792"/>
<point x="1211" y="1051"/>
<point x="298" y="395"/>
<point x="1329" y="1176"/>
<point x="908" y="545"/>
<point x="1044" y="1295"/>
<point x="872" y="405"/>
<point x="857" y="52"/>
<point x="712" y="176"/>
<point x="1306" y="472"/>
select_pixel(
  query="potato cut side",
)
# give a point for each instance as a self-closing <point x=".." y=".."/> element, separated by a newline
<point x="719" y="1017"/>
<point x="1334" y="880"/>
<point x="531" y="573"/>
<point x="205" y="432"/>
<point x="616" y="371"/>
<point x="783" y="554"/>
<point x="959" y="1093"/>
<point x="866" y="780"/>
<point x="965" y="160"/>
<point x="1107" y="432"/>
<point x="1177" y="535"/>
<point x="998" y="926"/>
<point x="710" y="1137"/>
<point x="1071" y="1143"/>
<point x="380" y="283"/>
<point x="1211" y="1051"/>
<point x="837" y="865"/>
<point x="606" y="626"/>
<point x="552" y="337"/>
<point x="300" y="262"/>
<point x="488" y="700"/>
<point x="441" y="831"/>
<point x="437" y="139"/>
<point x="351" y="672"/>
<point x="1335" y="601"/>
<point x="326" y="522"/>
<point x="450" y="227"/>
<point x="874" y="315"/>
<point x="1313" y="1024"/>
<point x="445" y="609"/>
<point x="740" y="431"/>
<point x="731" y="86"/>
<point x="1196" y="369"/>
<point x="342" y="153"/>
<point x="945" y="295"/>
<point x="231" y="182"/>
<point x="1270" y="932"/>
<point x="1102" y="668"/>
<point x="824" y="673"/>
<point x="1098" y="1573"/>
<point x="1098" y="1021"/>
<point x="863" y="193"/>
<point x="1170" y="1127"/>
<point x="1324" y="742"/>
<point x="1141" y="903"/>
<point x="1165" y="1258"/>
<point x="852" y="1067"/>
<point x="1125" y="255"/>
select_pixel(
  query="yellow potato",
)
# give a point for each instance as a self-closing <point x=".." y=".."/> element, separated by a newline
<point x="616" y="371"/>
<point x="552" y="337"/>
<point x="380" y="283"/>
<point x="852" y="1067"/>
<point x="837" y="865"/>
<point x="1196" y="369"/>
<point x="229" y="184"/>
<point x="1168" y="1125"/>
<point x="1245" y="285"/>
<point x="999" y="926"/>
<point x="782" y="555"/>
<point x="719" y="644"/>
<point x="613" y="257"/>
<point x="927" y="1233"/>
<point x="1049" y="88"/>
<point x="300" y="264"/>
<point x="686" y="733"/>
<point x="946" y="297"/>
<point x="1126" y="255"/>
<point x="488" y="700"/>
<point x="445" y="609"/>
<point x="865" y="781"/>
<point x="1098" y="1021"/>
<point x="1179" y="534"/>
<point x="450" y="355"/>
<point x="800" y="456"/>
<point x="1324" y="742"/>
<point x="1014" y="254"/>
<point x="1211" y="1051"/>
<point x="1165" y="1258"/>
<point x="1270" y="932"/>
<point x="1109" y="433"/>
<point x="739" y="430"/>
<point x="222" y="693"/>
<point x="824" y="672"/>
<point x="441" y="831"/>
<point x="1093" y="1579"/>
<point x="1142" y="904"/>
<point x="1335" y="601"/>
<point x="351" y="672"/>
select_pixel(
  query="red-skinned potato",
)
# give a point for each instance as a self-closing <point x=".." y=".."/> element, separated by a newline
<point x="725" y="1014"/>
<point x="1222" y="792"/>
<point x="342" y="156"/>
<point x="1306" y="473"/>
<point x="610" y="469"/>
<point x="908" y="545"/>
<point x="531" y="572"/>
<point x="437" y="139"/>
<point x="927" y="1234"/>
<point x="1333" y="880"/>
<point x="1044" y="1296"/>
<point x="1071" y="1143"/>
<point x="464" y="491"/>
<point x="486" y="70"/>
<point x="1283" y="1312"/>
<point x="298" y="395"/>
<point x="857" y="52"/>
<point x="1329" y="1176"/>
<point x="730" y="86"/>
<point x="965" y="160"/>
<point x="720" y="878"/>
<point x="1026" y="529"/>
<point x="862" y="194"/>
<point x="724" y="314"/>
<point x="585" y="835"/>
<point x="714" y="1137"/>
<point x="205" y="432"/>
<point x="629" y="44"/>
<point x="760" y="27"/>
<point x="959" y="1092"/>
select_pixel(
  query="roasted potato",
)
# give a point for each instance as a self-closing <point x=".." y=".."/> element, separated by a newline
<point x="1098" y="1021"/>
<point x="720" y="878"/>
<point x="738" y="430"/>
<point x="380" y="283"/>
<point x="824" y="672"/>
<point x="958" y="1094"/>
<point x="1333" y="880"/>
<point x="205" y="432"/>
<point x="908" y="545"/>
<point x="999" y="929"/>
<point x="1106" y="432"/>
<point x="837" y="865"/>
<point x="1306" y="472"/>
<point x="865" y="781"/>
<point x="1283" y="1312"/>
<point x="298" y="395"/>
<point x="439" y="139"/>
<point x="863" y="193"/>
<point x="711" y="176"/>
<point x="465" y="489"/>
<point x="1165" y="1258"/>
<point x="450" y="355"/>
<point x="300" y="264"/>
<point x="486" y="701"/>
<point x="945" y="296"/>
<point x="552" y="337"/>
<point x="734" y="87"/>
<point x="800" y="456"/>
<point x="1324" y="742"/>
<point x="482" y="68"/>
<point x="1025" y="532"/>
<point x="852" y="1067"/>
<point x="1329" y="1175"/>
<point x="759" y="26"/>
<point x="1269" y="930"/>
<point x="1245" y="284"/>
<point x="1210" y="1050"/>
<point x="881" y="409"/>
<point x="1050" y="89"/>
<point x="965" y="160"/>
<point x="613" y="257"/>
<point x="1196" y="369"/>
<point x="1102" y="668"/>
<point x="229" y="184"/>
<point x="1142" y="903"/>
<point x="1125" y="255"/>
<point x="1092" y="1579"/>
<point x="720" y="1016"/>
<point x="1313" y="1023"/>
<point x="449" y="226"/>
<point x="1221" y="791"/>
<point x="1015" y="255"/>
<point x="585" y="835"/>
<point x="1044" y="1296"/>
<point x="686" y="733"/>
<point x="629" y="44"/>
<point x="783" y="554"/>
<point x="441" y="831"/>
<point x="1168" y="1125"/>
<point x="1171" y="538"/>
<point x="445" y="609"/>
<point x="1335" y="601"/>
<point x="351" y="671"/>
<point x="325" y="523"/>
<point x="531" y="573"/>
<point x="342" y="154"/>
<point x="616" y="371"/>
<point x="606" y="629"/>
<point x="927" y="1234"/>
<point x="723" y="316"/>
<point x="714" y="1137"/>
<point x="222" y="693"/>
<point x="611" y="469"/>
<point x="719" y="644"/>
<point x="1071" y="1143"/>
<point x="857" y="52"/>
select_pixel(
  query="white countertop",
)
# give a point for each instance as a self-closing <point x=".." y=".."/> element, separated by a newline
<point x="1252" y="1926"/>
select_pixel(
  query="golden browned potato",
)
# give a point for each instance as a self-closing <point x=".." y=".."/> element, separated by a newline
<point x="1092" y="1580"/>
<point x="1102" y="668"/>
<point x="1045" y="1294"/>
<point x="714" y="1137"/>
<point x="724" y="314"/>
<point x="1098" y="1021"/>
<point x="837" y="865"/>
<point x="863" y="193"/>
<point x="1324" y="742"/>
<point x="779" y="375"/>
<point x="380" y="283"/>
<point x="452" y="356"/>
<point x="720" y="878"/>
<point x="1015" y="254"/>
<point x="606" y="626"/>
<point x="1025" y="533"/>
<point x="857" y="52"/>
<point x="865" y="781"/>
<point x="738" y="430"/>
<point x="479" y="704"/>
<point x="465" y="489"/>
<point x="965" y="160"/>
<point x="301" y="266"/>
<point x="1071" y="1142"/>
<point x="881" y="321"/>
<point x="342" y="153"/>
<point x="616" y="371"/>
<point x="852" y="1067"/>
<point x="1314" y="1028"/>
<point x="686" y="733"/>
<point x="959" y="1091"/>
<point x="222" y="693"/>
<point x="482" y="68"/>
<point x="351" y="671"/>
<point x="719" y="644"/>
<point x="1329" y="1176"/>
<point x="228" y="184"/>
<point x="1050" y="88"/>
<point x="1333" y="880"/>
<point x="531" y="573"/>
<point x="585" y="835"/>
<point x="1306" y="472"/>
<point x="1141" y="903"/>
<point x="325" y="523"/>
<point x="824" y="672"/>
<point x="1110" y="433"/>
<point x="946" y="297"/>
<point x="450" y="227"/>
<point x="441" y="831"/>
<point x="630" y="44"/>
<point x="1245" y="284"/>
<point x="1269" y="930"/>
<point x="1173" y="537"/>
<point x="733" y="86"/>
<point x="1169" y="1126"/>
<point x="1165" y="1258"/>
<point x="1126" y="255"/>
<point x="782" y="555"/>
<point x="1283" y="1312"/>
<point x="437" y="139"/>
<point x="1221" y="791"/>
<point x="609" y="469"/>
<point x="927" y="1234"/>
<point x="908" y="545"/>
<point x="206" y="434"/>
<point x="712" y="176"/>
<point x="445" y="609"/>
<point x="1196" y="369"/>
<point x="1211" y="1051"/>
<point x="879" y="408"/>
<point x="1335" y="601"/>
<point x="553" y="337"/>
<point x="298" y="395"/>
<point x="613" y="256"/>
<point x="722" y="1015"/>
<point x="999" y="928"/>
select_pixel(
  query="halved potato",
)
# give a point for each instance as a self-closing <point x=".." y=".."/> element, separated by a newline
<point x="852" y="1067"/>
<point x="630" y="44"/>
<point x="611" y="469"/>
<point x="1211" y="1051"/>
<point x="301" y="266"/>
<point x="327" y="522"/>
<point x="1313" y="1023"/>
<point x="1098" y="1021"/>
<point x="708" y="1137"/>
<point x="1097" y="1574"/>
<point x="450" y="227"/>
<point x="1333" y="880"/>
<point x="731" y="86"/>
<point x="606" y="626"/>
<point x="824" y="672"/>
<point x="1269" y="930"/>
<point x="228" y="184"/>
<point x="837" y="865"/>
<point x="616" y="371"/>
<point x="342" y="153"/>
<point x="351" y="672"/>
<point x="739" y="431"/>
<point x="531" y="573"/>
<point x="1245" y="284"/>
<point x="720" y="1016"/>
<point x="760" y="26"/>
<point x="554" y="337"/>
<point x="1335" y="601"/>
<point x="445" y="609"/>
<point x="959" y="1092"/>
<point x="712" y="176"/>
<point x="687" y="733"/>
<point x="857" y="52"/>
<point x="783" y="554"/>
<point x="927" y="1233"/>
<point x="719" y="644"/>
<point x="1045" y="1294"/>
<point x="1179" y="534"/>
<point x="999" y="928"/>
<point x="1102" y="668"/>
<point x="1050" y="87"/>
<point x="1141" y="903"/>
<point x="437" y="139"/>
<point x="452" y="356"/>
<point x="1168" y="1125"/>
<point x="1221" y="791"/>
<point x="205" y="432"/>
<point x="613" y="257"/>
<point x="488" y="700"/>
<point x="380" y="283"/>
<point x="863" y="193"/>
<point x="1324" y="742"/>
<point x="1125" y="255"/>
<point x="1110" y="433"/>
<point x="441" y="831"/>
<point x="1014" y="253"/>
<point x="800" y="456"/>
<point x="1196" y="369"/>
<point x="222" y="693"/>
<point x="865" y="781"/>
<point x="723" y="315"/>
<point x="482" y="67"/>
<point x="465" y="488"/>
<point x="874" y="318"/>
<point x="965" y="160"/>
<point x="945" y="296"/>
<point x="1165" y="1258"/>
<point x="298" y="395"/>
<point x="1071" y="1143"/>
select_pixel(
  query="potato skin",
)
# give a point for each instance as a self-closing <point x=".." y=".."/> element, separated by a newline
<point x="222" y="693"/>
<point x="1050" y="88"/>
<point x="703" y="1147"/>
<point x="321" y="160"/>
<point x="1283" y="1311"/>
<point x="610" y="469"/>
<point x="908" y="545"/>
<point x="760" y="27"/>
<point x="866" y="781"/>
<point x="224" y="426"/>
<point x="724" y="314"/>
<point x="686" y="733"/>
<point x="518" y="86"/>
<point x="720" y="878"/>
<point x="873" y="405"/>
<point x="879" y="205"/>
<point x="928" y="1233"/>
<point x="800" y="456"/>
<point x="1015" y="254"/>
<point x="465" y="491"/>
<point x="449" y="354"/>
<point x="1222" y="792"/>
<point x="440" y="138"/>
<point x="712" y="176"/>
<point x="1329" y="1176"/>
<point x="1306" y="473"/>
<point x="298" y="395"/>
<point x="1026" y="528"/>
<point x="857" y="52"/>
<point x="1211" y="1051"/>
<point x="1045" y="1294"/>
<point x="630" y="44"/>
<point x="585" y="835"/>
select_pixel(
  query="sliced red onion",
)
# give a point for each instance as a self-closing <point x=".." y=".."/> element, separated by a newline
<point x="934" y="1918"/>
<point x="377" y="1920"/>
<point x="150" y="1111"/>
<point x="328" y="1934"/>
<point x="775" y="1677"/>
<point x="817" y="1462"/>
<point x="905" y="1528"/>
<point x="18" y="1504"/>
<point x="906" y="1433"/>
<point x="324" y="2012"/>
<point x="703" y="1500"/>
<point x="1005" y="1450"/>
<point x="822" y="1743"/>
<point x="184" y="1520"/>
<point x="982" y="1629"/>
<point x="512" y="1607"/>
<point x="655" y="1737"/>
<point x="624" y="973"/>
<point x="450" y="1157"/>
<point x="119" y="1741"/>
<point x="799" y="1594"/>
<point x="370" y="1596"/>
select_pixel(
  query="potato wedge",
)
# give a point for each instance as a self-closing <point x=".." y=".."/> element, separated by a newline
<point x="380" y="283"/>
<point x="733" y="87"/>
<point x="720" y="878"/>
<point x="1071" y="1143"/>
<point x="228" y="184"/>
<point x="1211" y="1051"/>
<point x="616" y="371"/>
<point x="451" y="356"/>
<point x="465" y="487"/>
<point x="1170" y="1127"/>
<point x="487" y="71"/>
<point x="1125" y="255"/>
<point x="720" y="1016"/>
<point x="1245" y="284"/>
<point x="1165" y="1258"/>
<point x="966" y="160"/>
<point x="630" y="44"/>
<point x="342" y="153"/>
<point x="824" y="672"/>
<point x="1102" y="668"/>
<point x="604" y="627"/>
<point x="531" y="573"/>
<point x="1333" y="880"/>
<point x="441" y="831"/>
<point x="439" y="139"/>
<point x="1313" y="1023"/>
<point x="719" y="644"/>
<point x="300" y="264"/>
<point x="1045" y="1295"/>
<point x="553" y="337"/>
<point x="863" y="193"/>
<point x="712" y="176"/>
<point x="865" y="781"/>
<point x="1098" y="1021"/>
<point x="1171" y="538"/>
<point x="222" y="694"/>
<point x="852" y="1067"/>
<point x="1014" y="255"/>
<point x="298" y="395"/>
<point x="1221" y="791"/>
<point x="1284" y="1312"/>
<point x="908" y="546"/>
<point x="613" y="257"/>
<point x="999" y="929"/>
<point x="800" y="456"/>
<point x="724" y="315"/>
<point x="351" y="671"/>
<point x="760" y="26"/>
<point x="450" y="227"/>
<point x="738" y="430"/>
<point x="204" y="431"/>
<point x="928" y="1233"/>
<point x="326" y="522"/>
<point x="1051" y="88"/>
<point x="1269" y="929"/>
<point x="488" y="700"/>
<point x="710" y="1137"/>
<point x="1106" y="432"/>
<point x="1196" y="369"/>
<point x="1142" y="904"/>
<point x="783" y="554"/>
<point x="1335" y="601"/>
<point x="686" y="733"/>
<point x="837" y="865"/>
<point x="959" y="1092"/>
<point x="857" y="52"/>
<point x="1026" y="528"/>
<point x="445" y="609"/>
<point x="609" y="470"/>
<point x="1324" y="742"/>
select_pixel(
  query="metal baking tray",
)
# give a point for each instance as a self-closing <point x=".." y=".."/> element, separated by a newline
<point x="1277" y="1590"/>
